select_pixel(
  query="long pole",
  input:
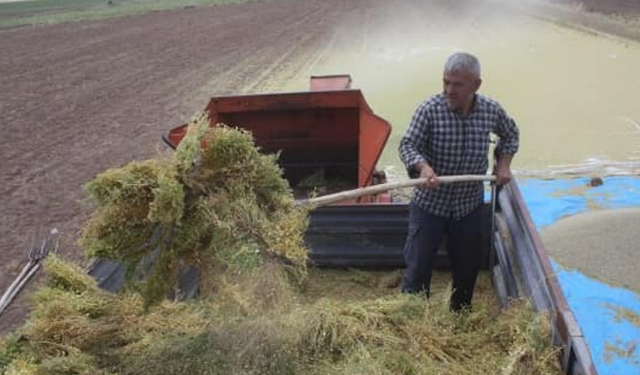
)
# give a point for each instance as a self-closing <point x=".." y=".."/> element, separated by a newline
<point x="356" y="193"/>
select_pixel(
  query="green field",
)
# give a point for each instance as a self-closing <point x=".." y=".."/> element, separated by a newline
<point x="42" y="12"/>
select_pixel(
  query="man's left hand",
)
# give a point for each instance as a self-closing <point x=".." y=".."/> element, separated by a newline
<point x="503" y="175"/>
<point x="502" y="170"/>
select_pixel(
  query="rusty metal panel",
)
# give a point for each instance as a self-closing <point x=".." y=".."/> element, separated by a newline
<point x="374" y="133"/>
<point x="332" y="130"/>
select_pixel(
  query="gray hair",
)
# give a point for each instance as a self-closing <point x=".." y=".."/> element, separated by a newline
<point x="463" y="62"/>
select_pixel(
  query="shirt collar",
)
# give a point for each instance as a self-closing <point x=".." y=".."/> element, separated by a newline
<point x="478" y="103"/>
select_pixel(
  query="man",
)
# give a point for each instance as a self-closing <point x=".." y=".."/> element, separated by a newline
<point x="449" y="135"/>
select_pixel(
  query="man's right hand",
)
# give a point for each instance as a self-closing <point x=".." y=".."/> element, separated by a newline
<point x="427" y="172"/>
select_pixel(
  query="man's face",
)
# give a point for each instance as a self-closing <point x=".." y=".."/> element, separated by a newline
<point x="459" y="88"/>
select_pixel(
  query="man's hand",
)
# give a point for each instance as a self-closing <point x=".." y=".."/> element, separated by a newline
<point x="502" y="171"/>
<point x="427" y="172"/>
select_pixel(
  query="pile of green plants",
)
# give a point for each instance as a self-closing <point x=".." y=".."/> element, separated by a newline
<point x="223" y="207"/>
<point x="259" y="322"/>
<point x="217" y="203"/>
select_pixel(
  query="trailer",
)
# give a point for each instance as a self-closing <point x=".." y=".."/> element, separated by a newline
<point x="331" y="131"/>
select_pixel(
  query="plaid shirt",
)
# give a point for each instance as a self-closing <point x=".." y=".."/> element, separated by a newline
<point x="455" y="145"/>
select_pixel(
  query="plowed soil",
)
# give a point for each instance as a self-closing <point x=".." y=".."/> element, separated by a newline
<point x="78" y="98"/>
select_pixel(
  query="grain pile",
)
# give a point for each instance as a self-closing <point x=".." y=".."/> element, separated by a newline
<point x="602" y="244"/>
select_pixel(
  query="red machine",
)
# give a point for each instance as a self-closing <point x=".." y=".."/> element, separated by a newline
<point x="329" y="130"/>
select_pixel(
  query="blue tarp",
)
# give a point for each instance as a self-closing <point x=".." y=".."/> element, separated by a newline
<point x="614" y="340"/>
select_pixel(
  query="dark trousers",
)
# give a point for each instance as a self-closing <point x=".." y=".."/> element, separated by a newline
<point x="464" y="245"/>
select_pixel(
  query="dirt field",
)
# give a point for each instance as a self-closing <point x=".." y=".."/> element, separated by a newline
<point x="78" y="98"/>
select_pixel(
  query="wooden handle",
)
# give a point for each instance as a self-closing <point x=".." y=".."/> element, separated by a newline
<point x="356" y="193"/>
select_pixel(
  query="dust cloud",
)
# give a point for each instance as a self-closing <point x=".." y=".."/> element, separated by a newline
<point x="572" y="92"/>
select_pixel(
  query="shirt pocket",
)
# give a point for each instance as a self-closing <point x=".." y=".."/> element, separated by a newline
<point x="477" y="149"/>
<point x="446" y="144"/>
<point x="477" y="142"/>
